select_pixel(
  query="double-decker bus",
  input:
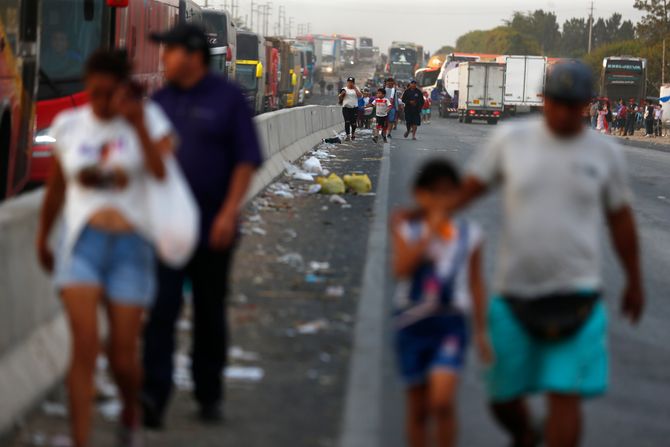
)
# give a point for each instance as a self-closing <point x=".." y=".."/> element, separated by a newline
<point x="403" y="60"/>
<point x="624" y="78"/>
<point x="73" y="29"/>
<point x="19" y="32"/>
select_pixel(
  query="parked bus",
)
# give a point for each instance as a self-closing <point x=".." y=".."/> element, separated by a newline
<point x="250" y="68"/>
<point x="222" y="39"/>
<point x="403" y="60"/>
<point x="70" y="31"/>
<point x="624" y="78"/>
<point x="365" y="50"/>
<point x="19" y="31"/>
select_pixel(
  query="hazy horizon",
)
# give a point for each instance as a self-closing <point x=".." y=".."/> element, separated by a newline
<point x="428" y="22"/>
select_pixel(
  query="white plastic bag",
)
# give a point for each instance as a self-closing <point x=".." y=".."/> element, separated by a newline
<point x="312" y="165"/>
<point x="173" y="215"/>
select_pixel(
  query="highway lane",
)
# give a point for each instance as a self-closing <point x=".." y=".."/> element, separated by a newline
<point x="636" y="410"/>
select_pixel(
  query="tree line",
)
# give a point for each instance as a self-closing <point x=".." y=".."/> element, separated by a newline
<point x="539" y="33"/>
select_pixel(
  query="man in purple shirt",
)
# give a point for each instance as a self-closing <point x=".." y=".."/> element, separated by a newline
<point x="218" y="151"/>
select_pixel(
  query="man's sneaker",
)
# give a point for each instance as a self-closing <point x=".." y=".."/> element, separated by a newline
<point x="406" y="134"/>
<point x="211" y="413"/>
<point x="130" y="437"/>
<point x="353" y="137"/>
<point x="152" y="416"/>
<point x="347" y="138"/>
<point x="389" y="135"/>
<point x="385" y="140"/>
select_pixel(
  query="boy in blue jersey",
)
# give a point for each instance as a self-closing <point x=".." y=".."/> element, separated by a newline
<point x="437" y="263"/>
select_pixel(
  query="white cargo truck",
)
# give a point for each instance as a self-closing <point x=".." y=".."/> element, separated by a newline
<point x="524" y="82"/>
<point x="480" y="91"/>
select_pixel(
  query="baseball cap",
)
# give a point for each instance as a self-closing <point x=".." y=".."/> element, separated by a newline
<point x="189" y="36"/>
<point x="570" y="81"/>
<point x="351" y="79"/>
<point x="412" y="81"/>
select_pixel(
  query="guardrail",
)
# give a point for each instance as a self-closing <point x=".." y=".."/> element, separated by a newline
<point x="34" y="339"/>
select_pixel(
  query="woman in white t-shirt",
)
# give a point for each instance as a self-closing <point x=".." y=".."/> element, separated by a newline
<point x="349" y="99"/>
<point x="104" y="153"/>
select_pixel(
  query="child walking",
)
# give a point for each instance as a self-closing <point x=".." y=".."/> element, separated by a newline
<point x="437" y="261"/>
<point x="382" y="107"/>
<point x="427" y="108"/>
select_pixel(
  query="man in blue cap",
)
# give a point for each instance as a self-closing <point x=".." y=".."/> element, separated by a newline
<point x="547" y="321"/>
<point x="218" y="152"/>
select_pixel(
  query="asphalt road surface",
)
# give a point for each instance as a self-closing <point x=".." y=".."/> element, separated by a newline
<point x="636" y="410"/>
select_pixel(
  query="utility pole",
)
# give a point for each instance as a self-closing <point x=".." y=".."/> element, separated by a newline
<point x="251" y="17"/>
<point x="591" y="27"/>
<point x="281" y="16"/>
<point x="290" y="27"/>
<point x="663" y="65"/>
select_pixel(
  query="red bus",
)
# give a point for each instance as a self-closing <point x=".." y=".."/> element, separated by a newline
<point x="18" y="71"/>
<point x="70" y="31"/>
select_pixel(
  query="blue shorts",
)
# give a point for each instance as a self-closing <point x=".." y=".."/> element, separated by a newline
<point x="436" y="343"/>
<point x="524" y="365"/>
<point x="122" y="264"/>
<point x="392" y="116"/>
<point x="425" y="112"/>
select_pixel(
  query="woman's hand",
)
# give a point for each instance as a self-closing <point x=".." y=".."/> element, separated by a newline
<point x="44" y="254"/>
<point x="129" y="105"/>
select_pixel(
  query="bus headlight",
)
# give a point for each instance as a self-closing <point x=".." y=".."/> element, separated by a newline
<point x="42" y="138"/>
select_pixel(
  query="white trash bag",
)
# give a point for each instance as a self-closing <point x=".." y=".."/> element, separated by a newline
<point x="173" y="215"/>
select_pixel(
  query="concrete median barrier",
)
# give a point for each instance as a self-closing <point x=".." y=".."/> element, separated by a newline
<point x="34" y="339"/>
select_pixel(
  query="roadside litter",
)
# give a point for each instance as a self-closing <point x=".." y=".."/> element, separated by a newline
<point x="312" y="327"/>
<point x="312" y="165"/>
<point x="294" y="260"/>
<point x="334" y="140"/>
<point x="338" y="200"/>
<point x="244" y="373"/>
<point x="358" y="183"/>
<point x="237" y="353"/>
<point x="332" y="184"/>
<point x="335" y="291"/>
<point x="281" y="190"/>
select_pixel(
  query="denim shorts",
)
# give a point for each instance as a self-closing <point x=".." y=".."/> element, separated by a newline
<point x="122" y="264"/>
<point x="434" y="344"/>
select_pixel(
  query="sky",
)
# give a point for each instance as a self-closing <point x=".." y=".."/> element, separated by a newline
<point x="432" y="23"/>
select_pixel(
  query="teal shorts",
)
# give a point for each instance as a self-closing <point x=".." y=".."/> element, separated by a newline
<point x="525" y="365"/>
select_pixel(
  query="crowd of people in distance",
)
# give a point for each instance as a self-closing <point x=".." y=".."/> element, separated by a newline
<point x="382" y="110"/>
<point x="625" y="119"/>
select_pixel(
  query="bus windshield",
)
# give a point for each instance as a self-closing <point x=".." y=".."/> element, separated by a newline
<point x="216" y="27"/>
<point x="247" y="47"/>
<point x="403" y="56"/>
<point x="246" y="76"/>
<point x="428" y="78"/>
<point x="69" y="35"/>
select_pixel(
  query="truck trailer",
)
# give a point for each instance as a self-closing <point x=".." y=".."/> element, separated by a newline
<point x="524" y="82"/>
<point x="480" y="92"/>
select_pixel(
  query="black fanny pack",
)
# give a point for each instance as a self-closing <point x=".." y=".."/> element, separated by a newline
<point x="553" y="317"/>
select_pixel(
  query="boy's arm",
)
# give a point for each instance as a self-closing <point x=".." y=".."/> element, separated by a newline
<point x="478" y="293"/>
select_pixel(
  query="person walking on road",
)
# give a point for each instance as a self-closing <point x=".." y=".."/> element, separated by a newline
<point x="348" y="98"/>
<point x="322" y="86"/>
<point x="393" y="96"/>
<point x="382" y="107"/>
<point x="413" y="100"/>
<point x="105" y="151"/>
<point x="593" y="113"/>
<point x="631" y="118"/>
<point x="437" y="261"/>
<point x="426" y="109"/>
<point x="548" y="322"/>
<point x="219" y="152"/>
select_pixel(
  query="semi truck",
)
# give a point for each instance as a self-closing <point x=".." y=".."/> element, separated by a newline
<point x="480" y="91"/>
<point x="249" y="70"/>
<point x="524" y="82"/>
